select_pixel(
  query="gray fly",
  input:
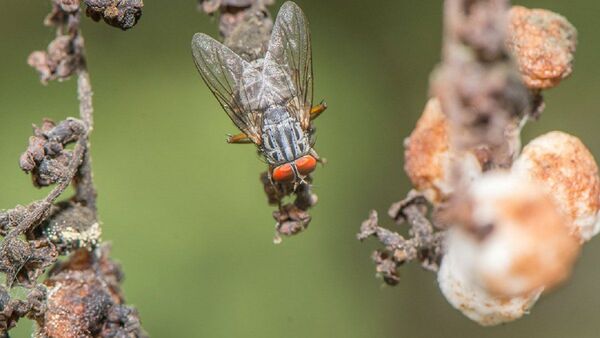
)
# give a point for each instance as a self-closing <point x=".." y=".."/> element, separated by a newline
<point x="269" y="99"/>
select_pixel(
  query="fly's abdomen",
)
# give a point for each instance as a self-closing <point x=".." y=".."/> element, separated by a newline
<point x="283" y="138"/>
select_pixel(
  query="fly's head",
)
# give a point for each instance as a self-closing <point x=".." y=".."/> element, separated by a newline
<point x="294" y="171"/>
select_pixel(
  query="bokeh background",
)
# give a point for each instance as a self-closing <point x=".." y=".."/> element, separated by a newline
<point x="187" y="215"/>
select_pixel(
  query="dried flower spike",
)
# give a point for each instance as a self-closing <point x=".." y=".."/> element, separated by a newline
<point x="515" y="237"/>
<point x="80" y="296"/>
<point x="562" y="165"/>
<point x="543" y="43"/>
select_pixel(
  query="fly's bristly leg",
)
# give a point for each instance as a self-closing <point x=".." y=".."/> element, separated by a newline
<point x="319" y="159"/>
<point x="317" y="110"/>
<point x="240" y="138"/>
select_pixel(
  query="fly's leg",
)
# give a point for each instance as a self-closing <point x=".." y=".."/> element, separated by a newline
<point x="319" y="159"/>
<point x="317" y="110"/>
<point x="238" y="139"/>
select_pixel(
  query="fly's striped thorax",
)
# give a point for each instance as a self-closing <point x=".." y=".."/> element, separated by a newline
<point x="283" y="138"/>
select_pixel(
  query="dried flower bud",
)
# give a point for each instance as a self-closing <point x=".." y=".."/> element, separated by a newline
<point x="46" y="158"/>
<point x="290" y="221"/>
<point x="291" y="218"/>
<point x="41" y="62"/>
<point x="463" y="292"/>
<point x="514" y="237"/>
<point x="428" y="157"/>
<point x="68" y="5"/>
<point x="543" y="43"/>
<point x="562" y="165"/>
<point x="123" y="14"/>
<point x="59" y="62"/>
<point x="75" y="306"/>
<point x="24" y="261"/>
<point x="34" y="154"/>
<point x="71" y="226"/>
<point x="11" y="310"/>
<point x="122" y="321"/>
<point x="10" y="219"/>
<point x="84" y="299"/>
<point x="52" y="170"/>
<point x="8" y="319"/>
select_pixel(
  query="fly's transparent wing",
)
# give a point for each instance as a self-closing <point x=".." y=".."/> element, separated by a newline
<point x="233" y="81"/>
<point x="288" y="61"/>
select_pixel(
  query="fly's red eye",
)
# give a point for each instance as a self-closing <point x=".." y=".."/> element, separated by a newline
<point x="283" y="173"/>
<point x="306" y="164"/>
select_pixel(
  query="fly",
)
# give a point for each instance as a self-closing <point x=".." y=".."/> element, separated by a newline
<point x="269" y="99"/>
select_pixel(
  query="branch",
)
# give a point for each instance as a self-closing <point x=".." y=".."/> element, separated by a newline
<point x="81" y="296"/>
<point x="423" y="245"/>
<point x="478" y="85"/>
<point x="84" y="184"/>
<point x="483" y="103"/>
<point x="529" y="210"/>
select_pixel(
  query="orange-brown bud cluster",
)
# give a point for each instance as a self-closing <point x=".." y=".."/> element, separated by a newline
<point x="428" y="157"/>
<point x="543" y="44"/>
<point x="566" y="169"/>
<point x="515" y="232"/>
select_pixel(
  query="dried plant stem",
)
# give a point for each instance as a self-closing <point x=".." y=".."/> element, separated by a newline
<point x="84" y="90"/>
<point x="81" y="296"/>
<point x="477" y="83"/>
<point x="85" y="190"/>
<point x="424" y="244"/>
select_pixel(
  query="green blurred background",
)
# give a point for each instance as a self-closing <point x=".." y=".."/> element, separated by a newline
<point x="187" y="215"/>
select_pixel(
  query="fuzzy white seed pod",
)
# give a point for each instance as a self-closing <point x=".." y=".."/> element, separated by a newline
<point x="518" y="239"/>
<point x="428" y="158"/>
<point x="567" y="170"/>
<point x="457" y="283"/>
<point x="509" y="244"/>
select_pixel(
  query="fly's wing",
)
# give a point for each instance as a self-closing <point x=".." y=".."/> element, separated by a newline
<point x="288" y="61"/>
<point x="228" y="75"/>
